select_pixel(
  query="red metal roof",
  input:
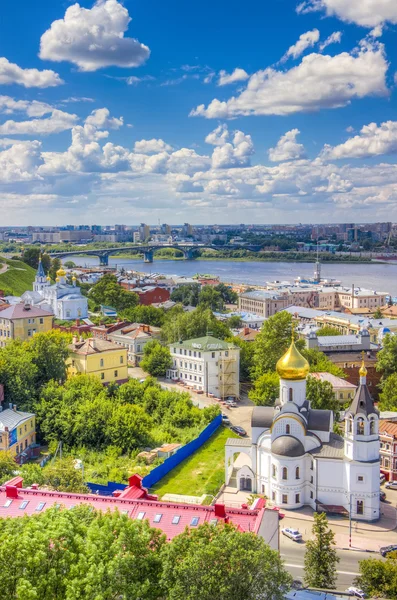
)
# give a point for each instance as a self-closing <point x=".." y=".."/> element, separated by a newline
<point x="16" y="501"/>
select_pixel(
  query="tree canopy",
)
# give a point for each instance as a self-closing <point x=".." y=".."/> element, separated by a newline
<point x="157" y="359"/>
<point x="321" y="395"/>
<point x="150" y="315"/>
<point x="378" y="578"/>
<point x="327" y="330"/>
<point x="265" y="390"/>
<point x="320" y="556"/>
<point x="388" y="395"/>
<point x="387" y="357"/>
<point x="180" y="325"/>
<point x="187" y="294"/>
<point x="211" y="298"/>
<point x="272" y="342"/>
<point x="108" y="292"/>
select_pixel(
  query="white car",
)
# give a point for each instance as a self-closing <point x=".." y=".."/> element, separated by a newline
<point x="391" y="485"/>
<point x="356" y="592"/>
<point x="294" y="534"/>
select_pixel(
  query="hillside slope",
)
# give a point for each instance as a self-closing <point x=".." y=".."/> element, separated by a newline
<point x="18" y="278"/>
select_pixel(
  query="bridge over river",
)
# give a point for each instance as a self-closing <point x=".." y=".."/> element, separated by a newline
<point x="189" y="251"/>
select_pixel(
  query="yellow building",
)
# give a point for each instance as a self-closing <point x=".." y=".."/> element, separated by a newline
<point x="17" y="433"/>
<point x="344" y="390"/>
<point x="21" y="321"/>
<point x="93" y="356"/>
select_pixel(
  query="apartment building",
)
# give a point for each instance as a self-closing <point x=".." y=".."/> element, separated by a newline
<point x="388" y="449"/>
<point x="262" y="302"/>
<point x="208" y="365"/>
<point x="103" y="359"/>
<point x="17" y="433"/>
<point x="21" y="321"/>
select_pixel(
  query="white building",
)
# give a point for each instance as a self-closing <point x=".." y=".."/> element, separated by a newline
<point x="295" y="458"/>
<point x="208" y="365"/>
<point x="64" y="300"/>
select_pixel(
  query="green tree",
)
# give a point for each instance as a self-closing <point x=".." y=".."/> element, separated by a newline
<point x="210" y="298"/>
<point x="64" y="476"/>
<point x="321" y="395"/>
<point x="180" y="325"/>
<point x="228" y="295"/>
<point x="31" y="257"/>
<point x="129" y="427"/>
<point x="272" y="342"/>
<point x="265" y="390"/>
<point x="327" y="330"/>
<point x="157" y="359"/>
<point x="387" y="357"/>
<point x="149" y="315"/>
<point x="55" y="266"/>
<point x="223" y="563"/>
<point x="320" y="363"/>
<point x="188" y="294"/>
<point x="234" y="322"/>
<point x="49" y="352"/>
<point x="107" y="291"/>
<point x="69" y="264"/>
<point x="18" y="373"/>
<point x="320" y="556"/>
<point x="378" y="577"/>
<point x="246" y="355"/>
<point x="378" y="314"/>
<point x="388" y="395"/>
<point x="7" y="466"/>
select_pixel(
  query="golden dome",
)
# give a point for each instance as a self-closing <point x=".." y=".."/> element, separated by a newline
<point x="57" y="279"/>
<point x="363" y="370"/>
<point x="61" y="273"/>
<point x="74" y="278"/>
<point x="293" y="365"/>
<point x="48" y="278"/>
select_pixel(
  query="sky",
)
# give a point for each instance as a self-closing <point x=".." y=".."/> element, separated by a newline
<point x="213" y="112"/>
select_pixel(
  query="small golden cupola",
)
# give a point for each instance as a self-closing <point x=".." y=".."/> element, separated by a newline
<point x="363" y="369"/>
<point x="61" y="273"/>
<point x="293" y="366"/>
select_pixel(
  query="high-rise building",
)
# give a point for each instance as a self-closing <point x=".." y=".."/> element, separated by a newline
<point x="144" y="232"/>
<point x="187" y="229"/>
<point x="165" y="229"/>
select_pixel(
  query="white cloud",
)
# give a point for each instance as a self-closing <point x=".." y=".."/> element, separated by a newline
<point x="100" y="117"/>
<point x="75" y="99"/>
<point x="376" y="32"/>
<point x="373" y="140"/>
<point x="235" y="154"/>
<point x="58" y="121"/>
<point x="9" y="106"/>
<point x="306" y="40"/>
<point x="209" y="77"/>
<point x="319" y="81"/>
<point x="334" y="38"/>
<point x="20" y="162"/>
<point x="226" y="78"/>
<point x="367" y="13"/>
<point x="93" y="38"/>
<point x="152" y="146"/>
<point x="219" y="136"/>
<point x="287" y="148"/>
<point x="28" y="78"/>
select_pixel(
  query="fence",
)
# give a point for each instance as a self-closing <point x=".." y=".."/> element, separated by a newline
<point x="184" y="452"/>
<point x="167" y="466"/>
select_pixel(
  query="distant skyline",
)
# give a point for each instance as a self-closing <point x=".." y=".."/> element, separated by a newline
<point x="128" y="111"/>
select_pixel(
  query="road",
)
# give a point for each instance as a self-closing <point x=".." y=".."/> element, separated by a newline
<point x="293" y="555"/>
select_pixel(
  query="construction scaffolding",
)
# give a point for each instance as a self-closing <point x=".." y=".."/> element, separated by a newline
<point x="229" y="380"/>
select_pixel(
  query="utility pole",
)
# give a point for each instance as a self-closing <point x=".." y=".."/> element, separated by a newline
<point x="350" y="520"/>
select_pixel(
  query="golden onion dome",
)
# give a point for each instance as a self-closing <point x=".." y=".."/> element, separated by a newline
<point x="74" y="278"/>
<point x="293" y="365"/>
<point x="61" y="273"/>
<point x="57" y="279"/>
<point x="48" y="278"/>
<point x="363" y="370"/>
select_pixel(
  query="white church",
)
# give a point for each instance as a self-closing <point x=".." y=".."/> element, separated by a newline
<point x="296" y="459"/>
<point x="64" y="300"/>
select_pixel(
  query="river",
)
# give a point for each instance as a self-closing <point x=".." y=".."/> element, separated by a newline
<point x="376" y="276"/>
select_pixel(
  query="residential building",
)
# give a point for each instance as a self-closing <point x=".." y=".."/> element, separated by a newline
<point x="46" y="237"/>
<point x="144" y="232"/>
<point x="165" y="229"/>
<point x="339" y="343"/>
<point x="134" y="338"/>
<point x="248" y="334"/>
<point x="171" y="518"/>
<point x="388" y="449"/>
<point x="208" y="365"/>
<point x="17" y="433"/>
<point x="344" y="390"/>
<point x="136" y="237"/>
<point x="103" y="359"/>
<point x="21" y="321"/>
<point x="296" y="459"/>
<point x="152" y="294"/>
<point x="261" y="302"/>
<point x="102" y="331"/>
<point x="65" y="301"/>
<point x="187" y="230"/>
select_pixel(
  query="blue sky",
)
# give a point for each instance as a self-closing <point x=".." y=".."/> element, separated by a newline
<point x="280" y="112"/>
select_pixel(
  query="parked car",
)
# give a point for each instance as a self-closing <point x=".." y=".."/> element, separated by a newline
<point x="239" y="430"/>
<point x="382" y="496"/>
<point x="385" y="550"/>
<point x="225" y="419"/>
<point x="382" y="478"/>
<point x="391" y="485"/>
<point x="356" y="592"/>
<point x="231" y="404"/>
<point x="294" y="534"/>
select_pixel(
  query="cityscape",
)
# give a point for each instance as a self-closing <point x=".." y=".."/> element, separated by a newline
<point x="198" y="300"/>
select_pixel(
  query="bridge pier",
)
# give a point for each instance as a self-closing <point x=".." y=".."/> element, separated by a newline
<point x="104" y="260"/>
<point x="148" y="256"/>
<point x="189" y="254"/>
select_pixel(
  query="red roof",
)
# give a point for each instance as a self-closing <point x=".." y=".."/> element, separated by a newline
<point x="389" y="427"/>
<point x="171" y="518"/>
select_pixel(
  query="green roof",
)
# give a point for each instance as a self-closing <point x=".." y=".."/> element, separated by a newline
<point x="204" y="344"/>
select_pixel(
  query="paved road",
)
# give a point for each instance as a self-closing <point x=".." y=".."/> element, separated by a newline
<point x="293" y="554"/>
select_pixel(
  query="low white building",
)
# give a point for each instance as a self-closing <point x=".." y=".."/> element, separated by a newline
<point x="208" y="365"/>
<point x="296" y="459"/>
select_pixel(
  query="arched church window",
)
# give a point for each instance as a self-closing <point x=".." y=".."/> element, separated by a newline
<point x="285" y="473"/>
<point x="372" y="427"/>
<point x="288" y="429"/>
<point x="290" y="395"/>
<point x="360" y="427"/>
<point x="297" y="473"/>
<point x="274" y="471"/>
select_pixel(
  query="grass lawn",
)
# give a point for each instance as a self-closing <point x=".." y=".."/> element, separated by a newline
<point x="18" y="278"/>
<point x="202" y="473"/>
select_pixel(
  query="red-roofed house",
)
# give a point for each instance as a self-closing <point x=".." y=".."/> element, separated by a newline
<point x="388" y="449"/>
<point x="171" y="518"/>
